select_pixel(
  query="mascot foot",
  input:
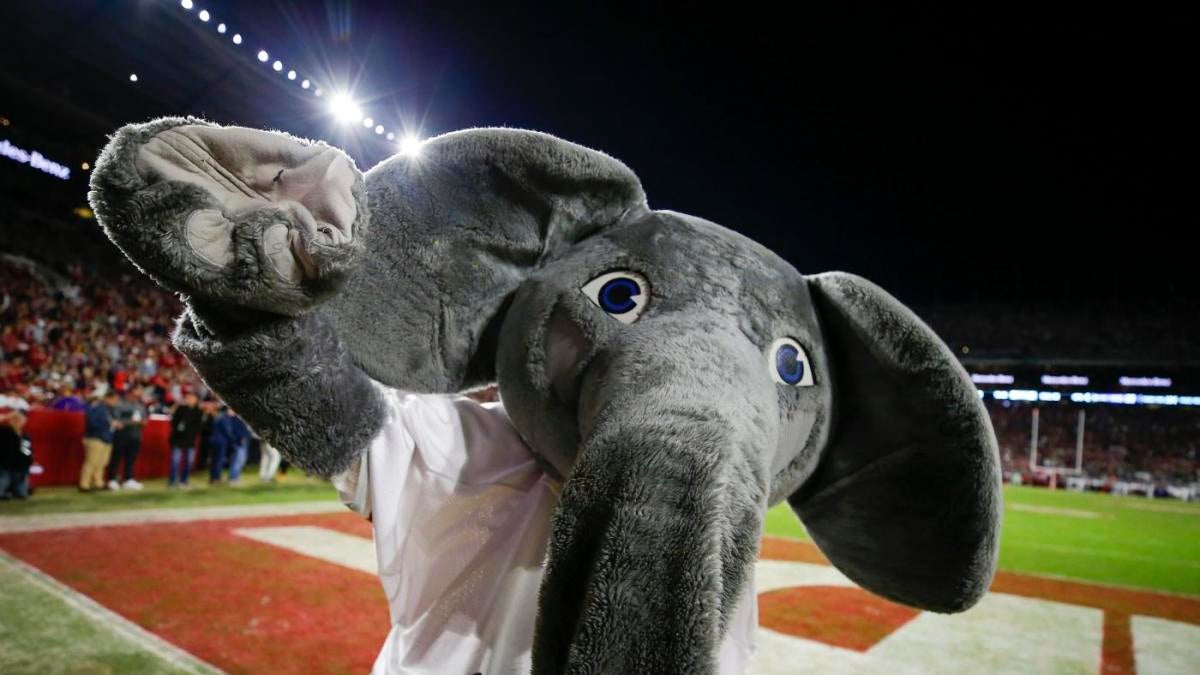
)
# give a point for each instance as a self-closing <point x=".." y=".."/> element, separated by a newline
<point x="232" y="216"/>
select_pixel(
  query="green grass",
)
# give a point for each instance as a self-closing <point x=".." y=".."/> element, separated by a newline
<point x="294" y="488"/>
<point x="39" y="633"/>
<point x="1130" y="541"/>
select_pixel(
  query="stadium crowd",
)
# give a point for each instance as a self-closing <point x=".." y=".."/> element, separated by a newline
<point x="58" y="345"/>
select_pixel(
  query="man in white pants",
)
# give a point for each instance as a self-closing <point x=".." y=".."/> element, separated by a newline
<point x="268" y="463"/>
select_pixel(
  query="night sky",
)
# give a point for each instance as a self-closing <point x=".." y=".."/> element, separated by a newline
<point x="991" y="154"/>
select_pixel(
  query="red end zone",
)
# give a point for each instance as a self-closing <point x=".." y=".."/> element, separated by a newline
<point x="240" y="605"/>
<point x="247" y="606"/>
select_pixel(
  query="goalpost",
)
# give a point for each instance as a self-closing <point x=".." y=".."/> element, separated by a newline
<point x="1055" y="471"/>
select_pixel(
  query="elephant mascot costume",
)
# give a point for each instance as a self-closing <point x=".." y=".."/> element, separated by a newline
<point x="674" y="377"/>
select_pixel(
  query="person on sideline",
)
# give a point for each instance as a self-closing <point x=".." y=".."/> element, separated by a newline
<point x="239" y="442"/>
<point x="185" y="429"/>
<point x="268" y="462"/>
<point x="129" y="415"/>
<point x="229" y="434"/>
<point x="97" y="440"/>
<point x="204" y="457"/>
<point x="16" y="456"/>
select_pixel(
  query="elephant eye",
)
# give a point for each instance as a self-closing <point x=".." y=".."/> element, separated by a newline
<point x="789" y="364"/>
<point x="622" y="295"/>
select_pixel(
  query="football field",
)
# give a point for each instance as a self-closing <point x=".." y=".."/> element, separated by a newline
<point x="281" y="579"/>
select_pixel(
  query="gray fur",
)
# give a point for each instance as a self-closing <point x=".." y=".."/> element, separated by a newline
<point x="465" y="225"/>
<point x="145" y="217"/>
<point x="293" y="380"/>
<point x="907" y="500"/>
<point x="671" y="432"/>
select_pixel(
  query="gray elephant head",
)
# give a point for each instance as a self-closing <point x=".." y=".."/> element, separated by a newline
<point x="681" y="378"/>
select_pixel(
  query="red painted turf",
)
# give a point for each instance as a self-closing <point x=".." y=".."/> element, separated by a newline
<point x="241" y="605"/>
<point x="836" y="615"/>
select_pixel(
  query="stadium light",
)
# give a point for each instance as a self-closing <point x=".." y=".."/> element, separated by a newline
<point x="344" y="109"/>
<point x="410" y="145"/>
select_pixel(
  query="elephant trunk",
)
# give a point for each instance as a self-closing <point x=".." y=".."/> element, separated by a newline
<point x="658" y="524"/>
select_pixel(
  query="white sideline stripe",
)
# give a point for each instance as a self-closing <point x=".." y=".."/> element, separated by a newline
<point x="110" y="620"/>
<point x="63" y="521"/>
<point x="1084" y="551"/>
<point x="348" y="550"/>
<point x="1055" y="511"/>
<point x="1161" y="508"/>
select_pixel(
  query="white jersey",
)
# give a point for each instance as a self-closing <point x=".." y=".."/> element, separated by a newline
<point x="461" y="514"/>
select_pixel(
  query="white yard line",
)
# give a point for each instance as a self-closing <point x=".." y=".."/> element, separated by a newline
<point x="1160" y="508"/>
<point x="348" y="550"/>
<point x="110" y="620"/>
<point x="1084" y="551"/>
<point x="1056" y="511"/>
<point x="63" y="521"/>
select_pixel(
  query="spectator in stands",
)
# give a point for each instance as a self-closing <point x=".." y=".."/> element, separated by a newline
<point x="16" y="456"/>
<point x="128" y="417"/>
<point x="97" y="440"/>
<point x="186" y="421"/>
<point x="67" y="401"/>
<point x="82" y="335"/>
<point x="149" y="366"/>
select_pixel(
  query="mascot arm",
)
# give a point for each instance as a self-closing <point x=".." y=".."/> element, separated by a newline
<point x="292" y="379"/>
<point x="255" y="230"/>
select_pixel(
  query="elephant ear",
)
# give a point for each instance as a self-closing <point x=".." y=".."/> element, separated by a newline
<point x="906" y="498"/>
<point x="455" y="230"/>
